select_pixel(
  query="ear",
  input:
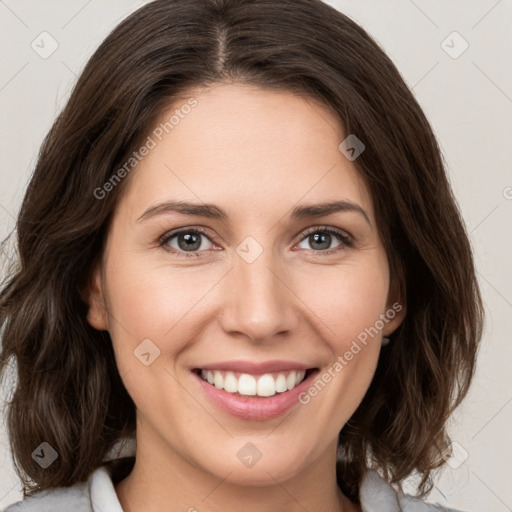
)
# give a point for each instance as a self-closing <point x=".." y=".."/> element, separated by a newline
<point x="395" y="309"/>
<point x="97" y="314"/>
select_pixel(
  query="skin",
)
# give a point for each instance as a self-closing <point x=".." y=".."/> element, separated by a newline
<point x="256" y="154"/>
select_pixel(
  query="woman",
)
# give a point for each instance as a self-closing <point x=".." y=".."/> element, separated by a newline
<point x="170" y="288"/>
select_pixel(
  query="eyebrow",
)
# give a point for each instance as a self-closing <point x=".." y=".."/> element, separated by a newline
<point x="214" y="212"/>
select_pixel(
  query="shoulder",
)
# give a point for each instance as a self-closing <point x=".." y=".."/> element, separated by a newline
<point x="61" y="499"/>
<point x="377" y="495"/>
<point x="97" y="493"/>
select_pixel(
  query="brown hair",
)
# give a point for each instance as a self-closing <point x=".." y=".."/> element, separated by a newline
<point x="69" y="392"/>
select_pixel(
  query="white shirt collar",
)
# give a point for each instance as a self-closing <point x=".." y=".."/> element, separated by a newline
<point x="103" y="493"/>
<point x="376" y="495"/>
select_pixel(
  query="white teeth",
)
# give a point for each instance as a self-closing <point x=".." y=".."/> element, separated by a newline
<point x="249" y="385"/>
<point x="291" y="380"/>
<point x="231" y="383"/>
<point x="246" y="384"/>
<point x="266" y="385"/>
<point x="281" y="383"/>
<point x="218" y="380"/>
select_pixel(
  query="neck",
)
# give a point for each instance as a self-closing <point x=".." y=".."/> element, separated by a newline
<point x="162" y="479"/>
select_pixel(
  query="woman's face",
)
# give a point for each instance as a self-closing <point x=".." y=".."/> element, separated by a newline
<point x="267" y="287"/>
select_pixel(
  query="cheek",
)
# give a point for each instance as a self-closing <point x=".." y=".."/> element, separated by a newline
<point x="347" y="303"/>
<point x="347" y="300"/>
<point x="155" y="302"/>
<point x="169" y="304"/>
<point x="335" y="305"/>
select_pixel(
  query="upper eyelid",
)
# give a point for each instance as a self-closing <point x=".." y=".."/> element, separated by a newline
<point x="332" y="229"/>
<point x="305" y="232"/>
<point x="172" y="233"/>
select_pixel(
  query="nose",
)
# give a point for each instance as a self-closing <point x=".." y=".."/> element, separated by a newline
<point x="257" y="300"/>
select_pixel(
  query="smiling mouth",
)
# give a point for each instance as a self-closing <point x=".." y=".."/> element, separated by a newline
<point x="246" y="384"/>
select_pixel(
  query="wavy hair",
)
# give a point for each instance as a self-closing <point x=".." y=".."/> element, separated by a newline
<point x="68" y="391"/>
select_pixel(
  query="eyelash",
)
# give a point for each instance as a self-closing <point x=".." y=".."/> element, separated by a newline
<point x="346" y="241"/>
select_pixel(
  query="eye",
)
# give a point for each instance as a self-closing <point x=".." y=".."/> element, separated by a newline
<point x="188" y="242"/>
<point x="320" y="239"/>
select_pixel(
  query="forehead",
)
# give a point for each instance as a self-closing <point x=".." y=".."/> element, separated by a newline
<point x="245" y="148"/>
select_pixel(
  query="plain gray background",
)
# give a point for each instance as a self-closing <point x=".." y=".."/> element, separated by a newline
<point x="465" y="93"/>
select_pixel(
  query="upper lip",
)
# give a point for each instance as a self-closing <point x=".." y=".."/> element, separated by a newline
<point x="253" y="367"/>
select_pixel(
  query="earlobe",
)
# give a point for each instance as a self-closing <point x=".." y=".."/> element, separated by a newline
<point x="395" y="314"/>
<point x="396" y="309"/>
<point x="97" y="313"/>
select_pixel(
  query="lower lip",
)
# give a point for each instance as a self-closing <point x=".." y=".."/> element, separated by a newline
<point x="253" y="407"/>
